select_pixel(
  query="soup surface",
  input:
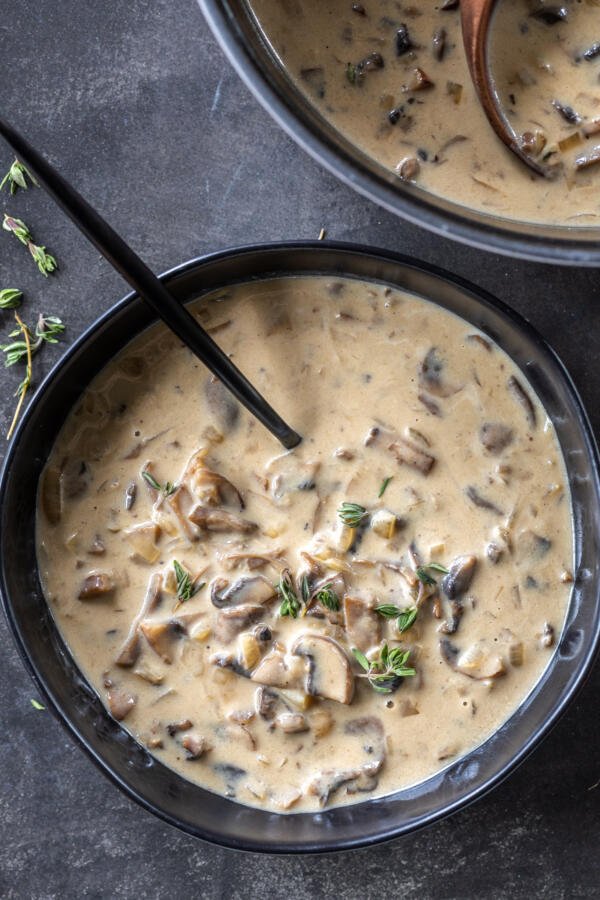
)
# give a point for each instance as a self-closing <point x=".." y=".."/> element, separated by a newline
<point x="296" y="629"/>
<point x="392" y="77"/>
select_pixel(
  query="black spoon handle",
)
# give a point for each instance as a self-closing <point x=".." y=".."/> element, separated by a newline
<point x="147" y="285"/>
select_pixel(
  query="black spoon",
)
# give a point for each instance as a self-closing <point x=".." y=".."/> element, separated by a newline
<point x="147" y="285"/>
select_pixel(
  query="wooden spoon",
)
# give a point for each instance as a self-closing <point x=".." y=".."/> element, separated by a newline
<point x="475" y="18"/>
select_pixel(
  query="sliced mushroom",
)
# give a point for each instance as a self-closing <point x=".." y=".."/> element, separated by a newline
<point x="265" y="702"/>
<point x="96" y="584"/>
<point x="142" y="540"/>
<point x="292" y="722"/>
<point x="221" y="404"/>
<point x="278" y="670"/>
<point x="431" y="375"/>
<point x="130" y="649"/>
<point x="97" y="547"/>
<point x="248" y="650"/>
<point x="410" y="454"/>
<point x="220" y="520"/>
<point x="450" y="626"/>
<point x="459" y="577"/>
<point x="328" y="673"/>
<point x="522" y="397"/>
<point x="195" y="746"/>
<point x="211" y="488"/>
<point x="163" y="637"/>
<point x="50" y="496"/>
<point x="495" y="437"/>
<point x="120" y="702"/>
<point x="256" y="590"/>
<point x="479" y="660"/>
<point x="362" y="623"/>
<point x="230" y="622"/>
<point x="482" y="502"/>
<point x="384" y="523"/>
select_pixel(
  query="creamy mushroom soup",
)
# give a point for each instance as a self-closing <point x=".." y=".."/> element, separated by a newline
<point x="320" y="626"/>
<point x="393" y="78"/>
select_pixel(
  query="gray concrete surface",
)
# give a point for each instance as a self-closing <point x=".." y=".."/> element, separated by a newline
<point x="136" y="104"/>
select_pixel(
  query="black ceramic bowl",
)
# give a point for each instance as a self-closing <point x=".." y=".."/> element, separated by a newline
<point x="145" y="779"/>
<point x="249" y="51"/>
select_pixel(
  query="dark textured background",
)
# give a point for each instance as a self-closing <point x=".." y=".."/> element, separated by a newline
<point x="136" y="104"/>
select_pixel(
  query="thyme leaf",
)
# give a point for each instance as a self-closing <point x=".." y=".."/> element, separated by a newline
<point x="45" y="262"/>
<point x="10" y="298"/>
<point x="36" y="704"/>
<point x="166" y="489"/>
<point x="405" y="618"/>
<point x="352" y="514"/>
<point x="384" y="485"/>
<point x="386" y="670"/>
<point x="328" y="598"/>
<point x="16" y="177"/>
<point x="290" y="604"/>
<point x="424" y="576"/>
<point x="185" y="584"/>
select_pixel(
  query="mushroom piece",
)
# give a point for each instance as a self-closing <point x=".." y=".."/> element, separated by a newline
<point x="277" y="670"/>
<point x="328" y="673"/>
<point x="482" y="502"/>
<point x="362" y="623"/>
<point x="75" y="478"/>
<point x="360" y="779"/>
<point x="220" y="520"/>
<point x="495" y="437"/>
<point x="120" y="703"/>
<point x="410" y="454"/>
<point x="522" y="397"/>
<point x="195" y="746"/>
<point x="221" y="404"/>
<point x="96" y="584"/>
<point x="211" y="488"/>
<point x="256" y="590"/>
<point x="130" y="649"/>
<point x="292" y="722"/>
<point x="265" y="702"/>
<point x="478" y="661"/>
<point x="142" y="540"/>
<point x="459" y="577"/>
<point x="450" y="626"/>
<point x="384" y="523"/>
<point x="431" y="375"/>
<point x="230" y="622"/>
<point x="531" y="546"/>
<point x="162" y="637"/>
<point x="50" y="494"/>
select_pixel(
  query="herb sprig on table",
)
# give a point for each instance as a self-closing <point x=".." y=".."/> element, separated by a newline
<point x="45" y="262"/>
<point x="47" y="330"/>
<point x="16" y="177"/>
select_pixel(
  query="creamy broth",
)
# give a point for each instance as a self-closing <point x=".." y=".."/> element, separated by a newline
<point x="392" y="77"/>
<point x="211" y="593"/>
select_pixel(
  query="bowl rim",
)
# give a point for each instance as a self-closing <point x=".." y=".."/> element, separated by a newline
<point x="390" y="832"/>
<point x="491" y="233"/>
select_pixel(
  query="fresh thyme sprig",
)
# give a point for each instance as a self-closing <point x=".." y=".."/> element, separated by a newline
<point x="405" y="618"/>
<point x="46" y="331"/>
<point x="424" y="576"/>
<point x="167" y="488"/>
<point x="185" y="585"/>
<point x="290" y="604"/>
<point x="352" y="514"/>
<point x="16" y="177"/>
<point x="44" y="261"/>
<point x="328" y="598"/>
<point x="385" y="671"/>
<point x="10" y="298"/>
<point x="384" y="485"/>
